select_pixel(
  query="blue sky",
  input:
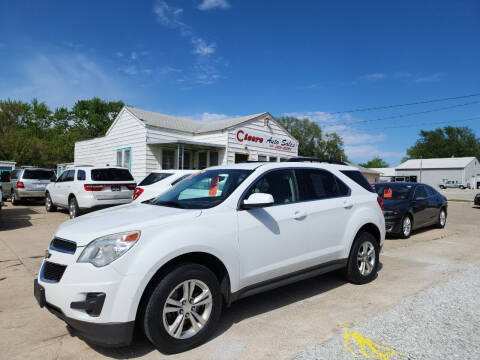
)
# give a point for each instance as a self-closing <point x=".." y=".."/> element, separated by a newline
<point x="209" y="59"/>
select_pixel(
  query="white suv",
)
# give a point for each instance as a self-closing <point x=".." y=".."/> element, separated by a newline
<point x="89" y="187"/>
<point x="222" y="234"/>
<point x="158" y="182"/>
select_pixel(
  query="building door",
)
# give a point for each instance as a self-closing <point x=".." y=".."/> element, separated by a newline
<point x="239" y="158"/>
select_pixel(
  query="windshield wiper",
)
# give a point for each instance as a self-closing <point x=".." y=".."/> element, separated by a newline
<point x="170" y="204"/>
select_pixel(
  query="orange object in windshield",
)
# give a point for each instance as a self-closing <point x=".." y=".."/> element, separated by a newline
<point x="387" y="193"/>
<point x="213" y="186"/>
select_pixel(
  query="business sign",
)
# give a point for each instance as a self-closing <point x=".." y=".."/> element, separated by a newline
<point x="265" y="140"/>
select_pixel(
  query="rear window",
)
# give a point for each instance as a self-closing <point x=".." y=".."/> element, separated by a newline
<point x="153" y="178"/>
<point x="39" y="175"/>
<point x="111" y="175"/>
<point x="359" y="179"/>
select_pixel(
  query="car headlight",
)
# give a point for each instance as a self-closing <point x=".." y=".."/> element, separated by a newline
<point x="390" y="213"/>
<point x="105" y="249"/>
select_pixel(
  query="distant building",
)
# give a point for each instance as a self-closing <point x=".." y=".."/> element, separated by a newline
<point x="7" y="166"/>
<point x="465" y="170"/>
<point x="386" y="174"/>
<point x="372" y="175"/>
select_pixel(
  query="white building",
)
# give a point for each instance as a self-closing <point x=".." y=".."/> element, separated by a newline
<point x="465" y="170"/>
<point x="144" y="141"/>
<point x="386" y="174"/>
<point x="372" y="175"/>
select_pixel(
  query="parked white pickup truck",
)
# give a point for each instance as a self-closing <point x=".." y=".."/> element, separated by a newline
<point x="452" y="184"/>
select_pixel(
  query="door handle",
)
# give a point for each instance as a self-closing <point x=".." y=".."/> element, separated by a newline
<point x="347" y="204"/>
<point x="299" y="215"/>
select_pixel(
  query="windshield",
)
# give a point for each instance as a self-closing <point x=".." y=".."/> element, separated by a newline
<point x="203" y="190"/>
<point x="153" y="178"/>
<point x="111" y="174"/>
<point x="39" y="175"/>
<point x="393" y="191"/>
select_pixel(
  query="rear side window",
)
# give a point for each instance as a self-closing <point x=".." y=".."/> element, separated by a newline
<point x="420" y="192"/>
<point x="180" y="179"/>
<point x="314" y="184"/>
<point x="152" y="178"/>
<point x="39" y="175"/>
<point x="280" y="184"/>
<point x="15" y="174"/>
<point x="430" y="191"/>
<point x="111" y="175"/>
<point x="81" y="175"/>
<point x="359" y="179"/>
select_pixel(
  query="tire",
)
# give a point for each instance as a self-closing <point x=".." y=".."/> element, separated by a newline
<point x="73" y="209"/>
<point x="15" y="200"/>
<point x="364" y="241"/>
<point x="49" y="205"/>
<point x="442" y="187"/>
<point x="442" y="218"/>
<point x="406" y="230"/>
<point x="155" y="322"/>
<point x="462" y="187"/>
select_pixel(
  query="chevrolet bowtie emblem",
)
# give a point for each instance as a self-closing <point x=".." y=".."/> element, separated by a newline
<point x="47" y="254"/>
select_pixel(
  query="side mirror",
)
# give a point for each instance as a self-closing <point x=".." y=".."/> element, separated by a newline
<point x="257" y="200"/>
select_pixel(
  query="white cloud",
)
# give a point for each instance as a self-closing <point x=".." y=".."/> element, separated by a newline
<point x="430" y="78"/>
<point x="206" y="67"/>
<point x="119" y="54"/>
<point x="375" y="76"/>
<point x="206" y="116"/>
<point x="130" y="70"/>
<point x="362" y="153"/>
<point x="61" y="78"/>
<point x="202" y="48"/>
<point x="133" y="55"/>
<point x="212" y="4"/>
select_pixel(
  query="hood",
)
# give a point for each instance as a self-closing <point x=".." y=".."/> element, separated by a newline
<point x="389" y="204"/>
<point x="128" y="217"/>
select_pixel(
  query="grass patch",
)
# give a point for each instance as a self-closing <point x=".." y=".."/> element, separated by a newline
<point x="461" y="200"/>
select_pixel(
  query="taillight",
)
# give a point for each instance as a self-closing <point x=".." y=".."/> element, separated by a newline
<point x="93" y="187"/>
<point x="137" y="193"/>
<point x="380" y="202"/>
<point x="20" y="185"/>
<point x="131" y="186"/>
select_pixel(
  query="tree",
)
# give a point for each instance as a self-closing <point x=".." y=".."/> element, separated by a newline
<point x="376" y="162"/>
<point x="447" y="142"/>
<point x="95" y="115"/>
<point x="312" y="142"/>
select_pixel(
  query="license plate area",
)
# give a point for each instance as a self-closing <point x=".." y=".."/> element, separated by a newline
<point x="116" y="187"/>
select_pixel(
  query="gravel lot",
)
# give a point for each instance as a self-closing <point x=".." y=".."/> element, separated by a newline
<point x="439" y="323"/>
<point x="283" y="323"/>
<point x="458" y="194"/>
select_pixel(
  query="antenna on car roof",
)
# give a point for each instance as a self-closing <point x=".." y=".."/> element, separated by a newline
<point x="312" y="159"/>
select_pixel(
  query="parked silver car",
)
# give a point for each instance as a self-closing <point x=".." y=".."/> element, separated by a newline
<point x="452" y="184"/>
<point x="30" y="183"/>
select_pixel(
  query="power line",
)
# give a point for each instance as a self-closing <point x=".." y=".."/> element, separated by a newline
<point x="401" y="115"/>
<point x="420" y="124"/>
<point x="405" y="104"/>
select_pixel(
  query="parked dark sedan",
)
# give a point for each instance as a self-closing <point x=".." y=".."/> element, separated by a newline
<point x="476" y="201"/>
<point x="408" y="206"/>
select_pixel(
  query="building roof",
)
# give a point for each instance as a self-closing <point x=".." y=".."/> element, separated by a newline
<point x="385" y="171"/>
<point x="365" y="170"/>
<point x="188" y="125"/>
<point x="438" y="163"/>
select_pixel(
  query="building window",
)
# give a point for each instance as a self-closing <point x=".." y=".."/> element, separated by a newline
<point x="273" y="159"/>
<point x="202" y="160"/>
<point x="124" y="157"/>
<point x="168" y="159"/>
<point x="213" y="158"/>
<point x="262" y="157"/>
<point x="187" y="160"/>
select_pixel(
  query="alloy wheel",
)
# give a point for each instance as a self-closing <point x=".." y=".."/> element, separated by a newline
<point x="48" y="202"/>
<point x="187" y="309"/>
<point x="443" y="218"/>
<point x="407" y="226"/>
<point x="72" y="209"/>
<point x="366" y="258"/>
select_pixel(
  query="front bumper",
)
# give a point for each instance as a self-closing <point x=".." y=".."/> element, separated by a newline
<point x="107" y="334"/>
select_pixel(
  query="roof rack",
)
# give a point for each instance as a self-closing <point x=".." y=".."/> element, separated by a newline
<point x="312" y="159"/>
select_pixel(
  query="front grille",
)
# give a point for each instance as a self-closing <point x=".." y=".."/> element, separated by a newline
<point x="52" y="272"/>
<point x="63" y="245"/>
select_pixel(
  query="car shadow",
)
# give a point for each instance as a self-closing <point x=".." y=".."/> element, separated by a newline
<point x="243" y="309"/>
<point x="12" y="218"/>
<point x="414" y="232"/>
